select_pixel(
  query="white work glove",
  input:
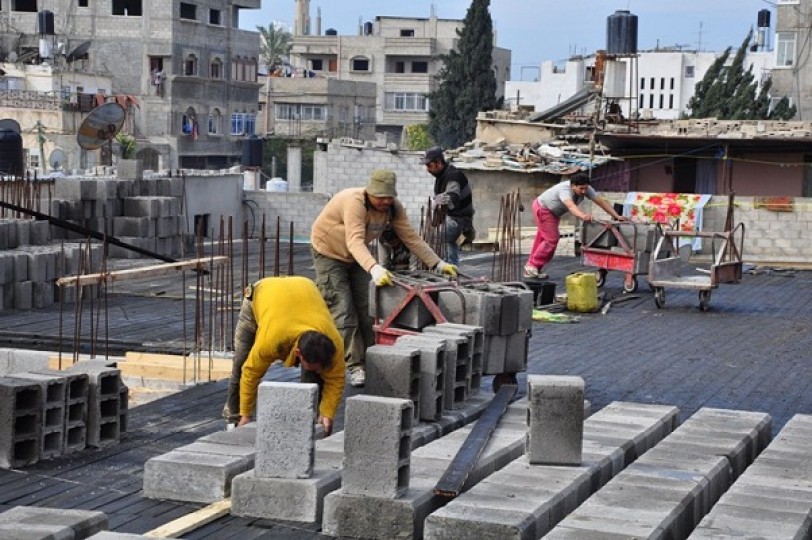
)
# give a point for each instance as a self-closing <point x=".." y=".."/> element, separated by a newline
<point x="446" y="269"/>
<point x="381" y="276"/>
<point x="442" y="199"/>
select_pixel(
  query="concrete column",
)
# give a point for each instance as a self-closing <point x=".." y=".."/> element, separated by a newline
<point x="294" y="169"/>
<point x="555" y="419"/>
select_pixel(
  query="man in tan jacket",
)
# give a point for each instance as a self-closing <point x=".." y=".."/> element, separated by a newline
<point x="340" y="241"/>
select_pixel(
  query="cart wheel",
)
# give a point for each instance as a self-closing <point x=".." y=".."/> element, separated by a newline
<point x="600" y="277"/>
<point x="503" y="378"/>
<point x="704" y="300"/>
<point x="630" y="283"/>
<point x="659" y="297"/>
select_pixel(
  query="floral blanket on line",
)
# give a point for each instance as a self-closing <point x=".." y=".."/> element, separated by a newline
<point x="667" y="208"/>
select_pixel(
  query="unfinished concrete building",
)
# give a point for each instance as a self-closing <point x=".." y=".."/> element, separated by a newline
<point x="191" y="70"/>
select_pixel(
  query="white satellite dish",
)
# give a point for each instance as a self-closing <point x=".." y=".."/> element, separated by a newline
<point x="57" y="159"/>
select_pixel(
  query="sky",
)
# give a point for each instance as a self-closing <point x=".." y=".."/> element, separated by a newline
<point x="539" y="30"/>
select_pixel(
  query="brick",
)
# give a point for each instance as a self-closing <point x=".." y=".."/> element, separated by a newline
<point x="555" y="419"/>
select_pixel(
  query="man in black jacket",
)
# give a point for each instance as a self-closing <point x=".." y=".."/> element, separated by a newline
<point x="453" y="197"/>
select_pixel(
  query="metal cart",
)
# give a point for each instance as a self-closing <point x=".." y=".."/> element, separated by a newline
<point x="673" y="272"/>
<point x="618" y="245"/>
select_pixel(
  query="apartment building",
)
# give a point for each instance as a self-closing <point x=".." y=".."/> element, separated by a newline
<point x="792" y="74"/>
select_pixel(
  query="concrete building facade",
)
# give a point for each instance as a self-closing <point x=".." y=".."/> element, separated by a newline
<point x="400" y="55"/>
<point x="192" y="71"/>
<point x="792" y="74"/>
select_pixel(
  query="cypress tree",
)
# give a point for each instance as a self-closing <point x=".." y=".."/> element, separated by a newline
<point x="466" y="84"/>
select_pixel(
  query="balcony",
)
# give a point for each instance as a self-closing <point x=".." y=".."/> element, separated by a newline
<point x="410" y="46"/>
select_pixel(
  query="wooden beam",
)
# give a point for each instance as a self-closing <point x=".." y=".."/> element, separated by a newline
<point x="143" y="272"/>
<point x="190" y="522"/>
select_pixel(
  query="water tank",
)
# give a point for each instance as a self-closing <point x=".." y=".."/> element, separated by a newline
<point x="276" y="184"/>
<point x="764" y="18"/>
<point x="45" y="23"/>
<point x="368" y="28"/>
<point x="11" y="152"/>
<point x="252" y="152"/>
<point x="331" y="32"/>
<point x="621" y="33"/>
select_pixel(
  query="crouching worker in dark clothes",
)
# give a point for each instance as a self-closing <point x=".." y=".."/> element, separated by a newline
<point x="285" y="318"/>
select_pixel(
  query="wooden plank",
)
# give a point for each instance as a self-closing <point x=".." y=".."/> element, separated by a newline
<point x="190" y="522"/>
<point x="143" y="272"/>
<point x="463" y="463"/>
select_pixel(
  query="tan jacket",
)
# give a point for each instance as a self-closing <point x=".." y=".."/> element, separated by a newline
<point x="347" y="225"/>
<point x="285" y="308"/>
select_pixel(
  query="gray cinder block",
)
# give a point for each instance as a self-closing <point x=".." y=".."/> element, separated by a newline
<point x="78" y="523"/>
<point x="20" y="421"/>
<point x="286" y="415"/>
<point x="377" y="446"/>
<point x="432" y="373"/>
<point x="192" y="476"/>
<point x="393" y="371"/>
<point x="555" y="419"/>
<point x="52" y="430"/>
<point x="103" y="403"/>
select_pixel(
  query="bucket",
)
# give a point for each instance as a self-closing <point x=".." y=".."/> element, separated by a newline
<point x="543" y="291"/>
<point x="582" y="292"/>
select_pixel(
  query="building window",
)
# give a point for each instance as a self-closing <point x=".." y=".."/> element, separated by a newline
<point x="785" y="49"/>
<point x="317" y="64"/>
<point x="359" y="63"/>
<point x="190" y="66"/>
<point x="672" y="83"/>
<point x="400" y="67"/>
<point x="662" y="83"/>
<point x="188" y="11"/>
<point x="295" y="111"/>
<point x="216" y="69"/>
<point x="406" y="32"/>
<point x="689" y="72"/>
<point x="407" y="101"/>
<point x="671" y="101"/>
<point x="216" y="17"/>
<point x="420" y="67"/>
<point x="128" y="8"/>
<point x="28" y="6"/>
<point x="82" y="3"/>
<point x="642" y="101"/>
<point x="642" y="83"/>
<point x="188" y="124"/>
<point x="662" y="100"/>
<point x="32" y="159"/>
<point x="651" y="83"/>
<point x="651" y="101"/>
<point x="243" y="123"/>
<point x="215" y="122"/>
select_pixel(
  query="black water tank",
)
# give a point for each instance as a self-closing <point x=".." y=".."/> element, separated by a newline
<point x="11" y="153"/>
<point x="252" y="152"/>
<point x="621" y="33"/>
<point x="45" y="23"/>
<point x="764" y="18"/>
<point x="368" y="28"/>
<point x="331" y="32"/>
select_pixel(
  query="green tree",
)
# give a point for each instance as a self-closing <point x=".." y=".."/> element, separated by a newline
<point x="275" y="43"/>
<point x="466" y="84"/>
<point x="416" y="137"/>
<point x="729" y="92"/>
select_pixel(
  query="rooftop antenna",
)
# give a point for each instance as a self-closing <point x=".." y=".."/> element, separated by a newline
<point x="699" y="47"/>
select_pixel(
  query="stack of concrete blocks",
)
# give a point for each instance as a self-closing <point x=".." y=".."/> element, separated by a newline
<point x="202" y="471"/>
<point x="468" y="351"/>
<point x="667" y="491"/>
<point x="433" y="370"/>
<point x="76" y="409"/>
<point x="505" y="314"/>
<point x="53" y="400"/>
<point x="555" y="420"/>
<point x="394" y="371"/>
<point x="20" y="422"/>
<point x="415" y="315"/>
<point x="103" y="403"/>
<point x="773" y="498"/>
<point x="287" y="482"/>
<point x="525" y="500"/>
<point x="51" y="523"/>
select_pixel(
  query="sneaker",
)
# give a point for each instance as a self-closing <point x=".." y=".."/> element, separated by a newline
<point x="531" y="272"/>
<point x="357" y="377"/>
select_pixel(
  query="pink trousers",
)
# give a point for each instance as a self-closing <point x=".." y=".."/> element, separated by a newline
<point x="547" y="236"/>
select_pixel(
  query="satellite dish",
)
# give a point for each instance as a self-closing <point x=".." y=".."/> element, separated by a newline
<point x="56" y="159"/>
<point x="12" y="57"/>
<point x="101" y="126"/>
<point x="9" y="124"/>
<point x="79" y="52"/>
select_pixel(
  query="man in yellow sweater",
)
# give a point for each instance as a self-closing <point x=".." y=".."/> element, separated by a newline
<point x="285" y="318"/>
<point x="339" y="241"/>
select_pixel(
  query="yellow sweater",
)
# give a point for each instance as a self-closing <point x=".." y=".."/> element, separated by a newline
<point x="346" y="226"/>
<point x="284" y="308"/>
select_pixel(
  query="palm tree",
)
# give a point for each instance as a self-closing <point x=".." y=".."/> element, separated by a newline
<point x="275" y="45"/>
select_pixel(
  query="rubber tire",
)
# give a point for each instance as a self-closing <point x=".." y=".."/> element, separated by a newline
<point x="659" y="297"/>
<point x="630" y="284"/>
<point x="704" y="300"/>
<point x="600" y="277"/>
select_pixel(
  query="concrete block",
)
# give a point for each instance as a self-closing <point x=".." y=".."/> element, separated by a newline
<point x="465" y="356"/>
<point x="40" y="233"/>
<point x="432" y="374"/>
<point x="192" y="477"/>
<point x="103" y="403"/>
<point x="516" y="349"/>
<point x="393" y="371"/>
<point x="479" y="306"/>
<point x="20" y="422"/>
<point x="52" y="430"/>
<point x="284" y="498"/>
<point x="495" y="350"/>
<point x="377" y="446"/>
<point x="286" y="415"/>
<point x="555" y="419"/>
<point x="23" y="295"/>
<point x="412" y="314"/>
<point x="80" y="523"/>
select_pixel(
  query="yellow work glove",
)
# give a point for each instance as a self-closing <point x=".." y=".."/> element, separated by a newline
<point x="445" y="268"/>
<point x="381" y="276"/>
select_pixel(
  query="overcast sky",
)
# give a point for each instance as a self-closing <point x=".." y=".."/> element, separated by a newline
<point x="538" y="30"/>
